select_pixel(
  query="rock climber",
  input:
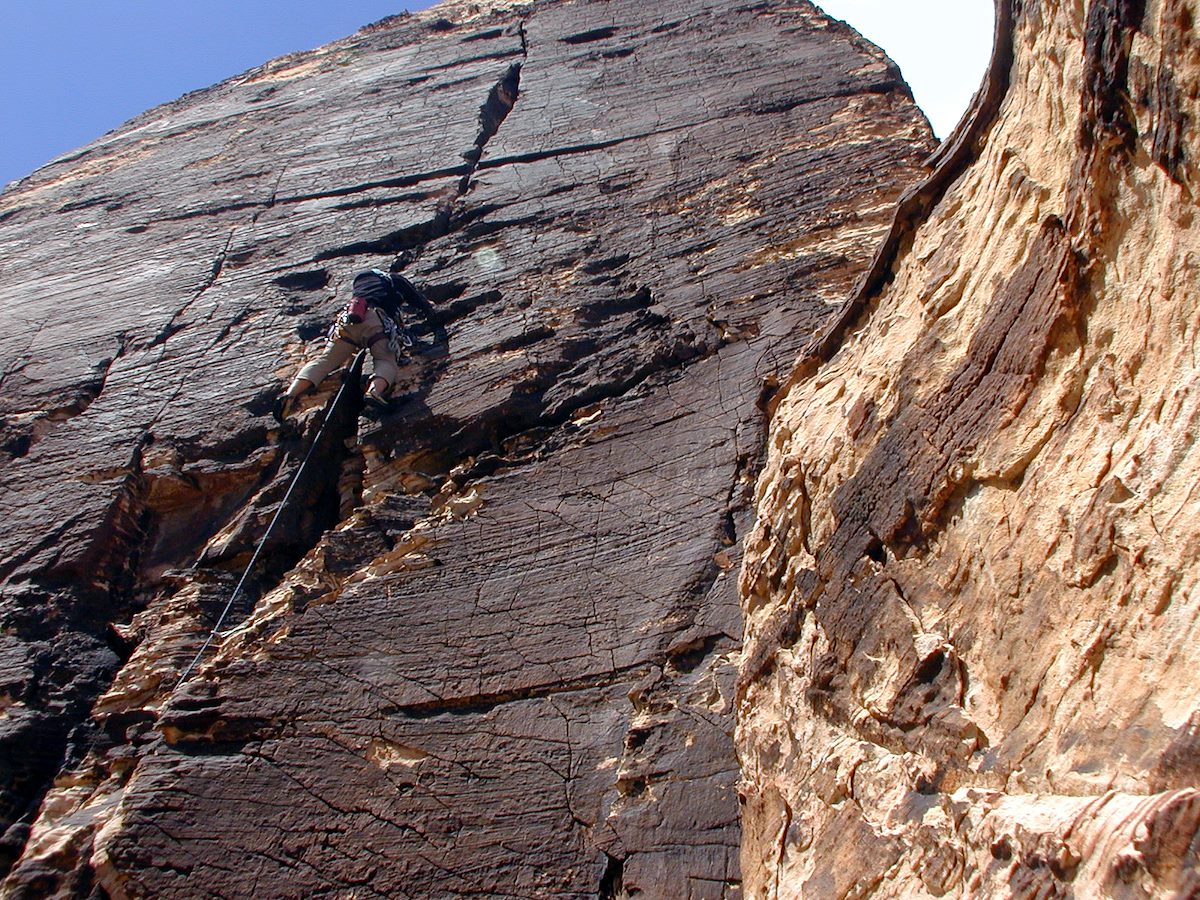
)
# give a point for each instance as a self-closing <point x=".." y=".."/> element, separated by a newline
<point x="371" y="320"/>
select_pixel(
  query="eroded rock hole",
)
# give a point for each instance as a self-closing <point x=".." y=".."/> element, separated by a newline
<point x="489" y="35"/>
<point x="587" y="37"/>
<point x="875" y="551"/>
<point x="612" y="879"/>
<point x="310" y="280"/>
<point x="17" y="445"/>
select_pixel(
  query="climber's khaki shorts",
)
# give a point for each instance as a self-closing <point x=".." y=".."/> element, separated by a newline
<point x="347" y="340"/>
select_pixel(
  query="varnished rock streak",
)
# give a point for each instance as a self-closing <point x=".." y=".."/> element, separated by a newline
<point x="493" y="651"/>
<point x="971" y="592"/>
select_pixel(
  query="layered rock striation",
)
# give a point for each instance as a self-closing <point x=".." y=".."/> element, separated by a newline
<point x="492" y="646"/>
<point x="971" y="593"/>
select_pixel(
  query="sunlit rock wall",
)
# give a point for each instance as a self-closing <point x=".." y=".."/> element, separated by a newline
<point x="972" y="588"/>
<point x="492" y="646"/>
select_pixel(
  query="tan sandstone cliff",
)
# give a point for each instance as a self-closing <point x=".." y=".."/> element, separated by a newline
<point x="971" y="594"/>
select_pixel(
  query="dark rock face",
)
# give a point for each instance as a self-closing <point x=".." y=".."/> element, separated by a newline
<point x="494" y="646"/>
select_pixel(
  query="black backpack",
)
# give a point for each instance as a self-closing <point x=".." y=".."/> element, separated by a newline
<point x="389" y="291"/>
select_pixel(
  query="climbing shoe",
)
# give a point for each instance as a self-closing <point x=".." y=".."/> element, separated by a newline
<point x="376" y="400"/>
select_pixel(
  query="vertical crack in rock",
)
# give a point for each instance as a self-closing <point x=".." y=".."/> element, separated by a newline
<point x="405" y="244"/>
<point x="317" y="500"/>
<point x="175" y="325"/>
<point x="500" y="101"/>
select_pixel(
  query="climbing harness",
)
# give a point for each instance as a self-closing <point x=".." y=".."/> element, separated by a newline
<point x="351" y="377"/>
<point x="399" y="339"/>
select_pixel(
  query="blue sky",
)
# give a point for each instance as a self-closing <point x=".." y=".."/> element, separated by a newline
<point x="941" y="46"/>
<point x="72" y="70"/>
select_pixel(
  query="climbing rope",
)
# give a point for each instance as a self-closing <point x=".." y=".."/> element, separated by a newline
<point x="352" y="375"/>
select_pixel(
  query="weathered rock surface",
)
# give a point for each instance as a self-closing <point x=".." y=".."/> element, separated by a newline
<point x="971" y="594"/>
<point x="492" y="650"/>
